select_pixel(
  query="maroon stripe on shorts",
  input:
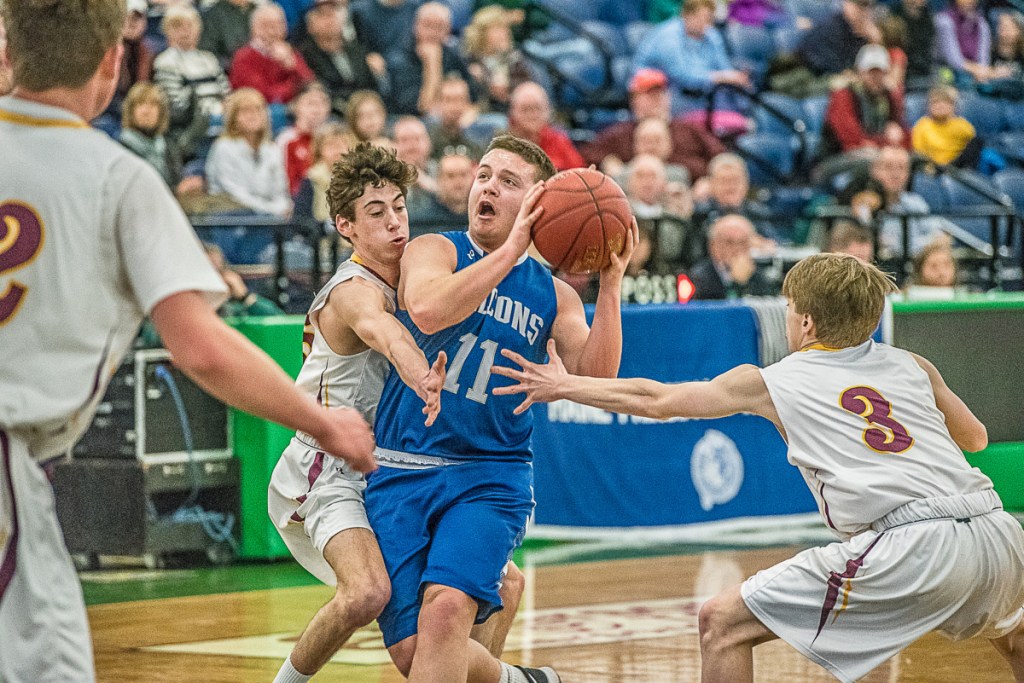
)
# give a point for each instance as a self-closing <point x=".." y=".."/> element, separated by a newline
<point x="315" y="470"/>
<point x="11" y="557"/>
<point x="835" y="584"/>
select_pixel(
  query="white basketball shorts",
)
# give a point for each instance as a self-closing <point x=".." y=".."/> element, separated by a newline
<point x="313" y="496"/>
<point x="44" y="632"/>
<point x="850" y="606"/>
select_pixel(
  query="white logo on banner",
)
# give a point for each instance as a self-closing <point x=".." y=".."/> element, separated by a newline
<point x="716" y="468"/>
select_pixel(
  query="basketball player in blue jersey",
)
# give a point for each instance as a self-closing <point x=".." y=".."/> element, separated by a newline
<point x="450" y="504"/>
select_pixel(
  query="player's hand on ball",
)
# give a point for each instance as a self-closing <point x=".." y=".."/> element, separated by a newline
<point x="347" y="436"/>
<point x="617" y="267"/>
<point x="519" y="239"/>
<point x="430" y="388"/>
<point x="540" y="383"/>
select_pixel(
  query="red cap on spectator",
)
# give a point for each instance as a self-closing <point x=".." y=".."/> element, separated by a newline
<point x="646" y="80"/>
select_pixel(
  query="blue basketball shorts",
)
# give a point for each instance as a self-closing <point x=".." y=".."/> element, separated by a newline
<point x="453" y="525"/>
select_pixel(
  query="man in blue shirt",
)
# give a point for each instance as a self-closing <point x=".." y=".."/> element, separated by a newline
<point x="690" y="51"/>
<point x="451" y="502"/>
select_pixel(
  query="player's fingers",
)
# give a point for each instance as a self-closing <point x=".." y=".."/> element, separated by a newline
<point x="510" y="389"/>
<point x="442" y="360"/>
<point x="511" y="373"/>
<point x="515" y="358"/>
<point x="523" y="407"/>
<point x="553" y="351"/>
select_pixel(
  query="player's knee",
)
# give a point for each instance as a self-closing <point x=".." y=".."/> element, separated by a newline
<point x="711" y="623"/>
<point x="512" y="587"/>
<point x="446" y="609"/>
<point x="363" y="602"/>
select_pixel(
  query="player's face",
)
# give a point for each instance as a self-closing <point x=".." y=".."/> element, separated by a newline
<point x="380" y="230"/>
<point x="501" y="182"/>
<point x="794" y="327"/>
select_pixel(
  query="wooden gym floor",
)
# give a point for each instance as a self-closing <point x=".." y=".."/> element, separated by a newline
<point x="623" y="619"/>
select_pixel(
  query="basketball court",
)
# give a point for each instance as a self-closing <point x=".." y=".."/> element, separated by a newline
<point x="598" y="614"/>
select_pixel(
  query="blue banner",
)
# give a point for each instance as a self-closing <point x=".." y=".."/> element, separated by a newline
<point x="599" y="469"/>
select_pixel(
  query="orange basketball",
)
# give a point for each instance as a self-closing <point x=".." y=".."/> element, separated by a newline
<point x="585" y="220"/>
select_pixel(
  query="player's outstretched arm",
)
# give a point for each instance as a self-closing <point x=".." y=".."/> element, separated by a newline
<point x="362" y="307"/>
<point x="236" y="371"/>
<point x="740" y="390"/>
<point x="967" y="430"/>
<point x="436" y="296"/>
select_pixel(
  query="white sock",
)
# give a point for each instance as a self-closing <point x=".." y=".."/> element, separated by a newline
<point x="512" y="675"/>
<point x="288" y="674"/>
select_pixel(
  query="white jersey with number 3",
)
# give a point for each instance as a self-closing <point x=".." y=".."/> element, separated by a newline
<point x="90" y="240"/>
<point x="864" y="430"/>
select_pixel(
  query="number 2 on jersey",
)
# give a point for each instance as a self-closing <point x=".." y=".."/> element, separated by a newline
<point x="883" y="433"/>
<point x="21" y="238"/>
<point x="477" y="392"/>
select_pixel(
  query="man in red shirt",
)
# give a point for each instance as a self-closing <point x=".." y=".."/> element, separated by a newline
<point x="268" y="63"/>
<point x="529" y="117"/>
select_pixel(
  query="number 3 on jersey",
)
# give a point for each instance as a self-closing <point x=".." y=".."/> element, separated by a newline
<point x="883" y="434"/>
<point x="21" y="238"/>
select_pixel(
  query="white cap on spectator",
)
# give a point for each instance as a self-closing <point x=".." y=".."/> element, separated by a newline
<point x="872" y="57"/>
<point x="139" y="6"/>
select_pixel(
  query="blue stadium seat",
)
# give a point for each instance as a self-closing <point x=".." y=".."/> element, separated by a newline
<point x="1011" y="146"/>
<point x="787" y="38"/>
<point x="768" y="123"/>
<point x="636" y="33"/>
<point x="620" y="12"/>
<point x="764" y="151"/>
<point x="915" y="105"/>
<point x="611" y="36"/>
<point x="815" y="10"/>
<point x="580" y="11"/>
<point x="1011" y="183"/>
<point x="814" y="112"/>
<point x="1013" y="114"/>
<point x="961" y="196"/>
<point x="932" y="189"/>
<point x="985" y="113"/>
<point x="752" y="44"/>
<point x="462" y="13"/>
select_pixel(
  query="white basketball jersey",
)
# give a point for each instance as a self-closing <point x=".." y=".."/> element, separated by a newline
<point x="351" y="381"/>
<point x="864" y="430"/>
<point x="90" y="240"/>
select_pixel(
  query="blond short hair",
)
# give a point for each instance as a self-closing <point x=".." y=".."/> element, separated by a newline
<point x="234" y="102"/>
<point x="141" y="93"/>
<point x="180" y="14"/>
<point x="843" y="295"/>
<point x="325" y="133"/>
<point x="60" y="43"/>
<point x="474" y="37"/>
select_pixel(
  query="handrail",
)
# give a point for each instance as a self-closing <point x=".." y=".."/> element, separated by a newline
<point x="798" y="126"/>
<point x="281" y="228"/>
<point x="993" y="250"/>
<point x="604" y="95"/>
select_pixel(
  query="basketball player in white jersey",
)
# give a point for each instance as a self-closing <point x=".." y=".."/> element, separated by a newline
<point x="91" y="240"/>
<point x="351" y="341"/>
<point x="877" y="435"/>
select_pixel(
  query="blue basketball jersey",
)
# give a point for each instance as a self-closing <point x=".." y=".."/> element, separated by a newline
<point x="474" y="423"/>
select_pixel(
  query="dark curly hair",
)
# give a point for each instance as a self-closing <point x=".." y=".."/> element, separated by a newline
<point x="366" y="164"/>
<point x="529" y="152"/>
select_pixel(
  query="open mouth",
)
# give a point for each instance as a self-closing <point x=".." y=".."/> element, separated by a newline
<point x="485" y="209"/>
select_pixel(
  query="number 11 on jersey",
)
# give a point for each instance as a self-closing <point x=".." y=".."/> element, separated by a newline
<point x="477" y="392"/>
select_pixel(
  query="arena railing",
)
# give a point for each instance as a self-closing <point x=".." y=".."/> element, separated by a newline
<point x="282" y="230"/>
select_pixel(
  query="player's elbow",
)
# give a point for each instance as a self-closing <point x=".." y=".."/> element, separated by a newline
<point x="975" y="440"/>
<point x="428" y="318"/>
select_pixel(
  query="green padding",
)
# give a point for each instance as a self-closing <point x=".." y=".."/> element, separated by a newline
<point x="1002" y="463"/>
<point x="965" y="302"/>
<point x="258" y="443"/>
